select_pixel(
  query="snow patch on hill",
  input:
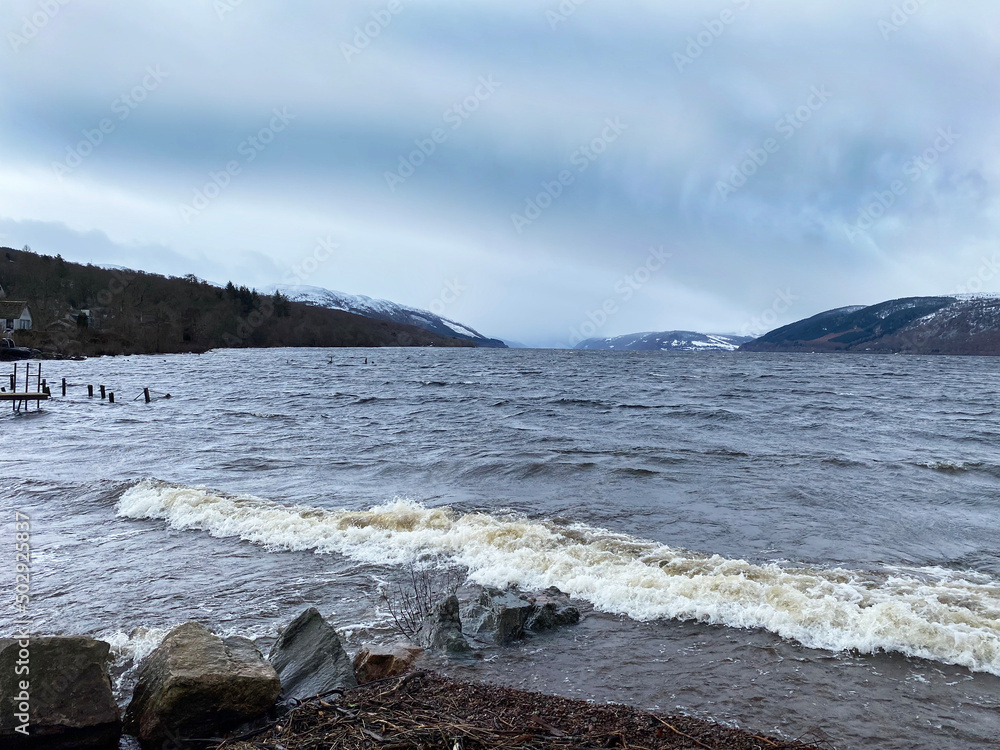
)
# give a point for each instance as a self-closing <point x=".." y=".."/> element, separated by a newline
<point x="381" y="309"/>
<point x="668" y="341"/>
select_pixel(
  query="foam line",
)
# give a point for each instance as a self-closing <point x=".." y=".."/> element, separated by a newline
<point x="927" y="613"/>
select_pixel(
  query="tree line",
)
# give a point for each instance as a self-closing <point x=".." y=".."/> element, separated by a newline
<point x="87" y="310"/>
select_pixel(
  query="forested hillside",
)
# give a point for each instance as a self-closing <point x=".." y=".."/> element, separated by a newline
<point x="85" y="309"/>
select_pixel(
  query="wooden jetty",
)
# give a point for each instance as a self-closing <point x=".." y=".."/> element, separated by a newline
<point x="34" y="388"/>
<point x="22" y="399"/>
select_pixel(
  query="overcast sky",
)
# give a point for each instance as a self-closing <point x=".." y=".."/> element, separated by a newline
<point x="719" y="165"/>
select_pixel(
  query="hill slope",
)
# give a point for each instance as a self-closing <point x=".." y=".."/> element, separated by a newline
<point x="670" y="341"/>
<point x="84" y="309"/>
<point x="391" y="312"/>
<point x="914" y="325"/>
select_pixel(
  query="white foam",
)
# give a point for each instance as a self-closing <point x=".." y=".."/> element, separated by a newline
<point x="946" y="618"/>
<point x="128" y="650"/>
<point x="135" y="646"/>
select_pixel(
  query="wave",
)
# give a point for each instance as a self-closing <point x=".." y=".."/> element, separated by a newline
<point x="945" y="467"/>
<point x="922" y="613"/>
<point x="630" y="471"/>
<point x="525" y="469"/>
<point x="578" y="402"/>
<point x="843" y="463"/>
<point x="959" y="467"/>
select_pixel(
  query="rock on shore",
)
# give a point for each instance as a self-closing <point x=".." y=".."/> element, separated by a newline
<point x="196" y="684"/>
<point x="442" y="628"/>
<point x="507" y="616"/>
<point x="310" y="659"/>
<point x="69" y="694"/>
<point x="378" y="662"/>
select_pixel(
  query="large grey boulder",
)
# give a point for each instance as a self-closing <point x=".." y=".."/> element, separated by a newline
<point x="442" y="628"/>
<point x="310" y="658"/>
<point x="66" y="691"/>
<point x="506" y="616"/>
<point x="553" y="610"/>
<point x="500" y="615"/>
<point x="198" y="685"/>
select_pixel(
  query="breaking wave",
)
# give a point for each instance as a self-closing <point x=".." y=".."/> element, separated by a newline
<point x="928" y="613"/>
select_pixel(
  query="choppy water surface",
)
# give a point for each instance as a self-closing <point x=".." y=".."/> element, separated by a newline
<point x="789" y="543"/>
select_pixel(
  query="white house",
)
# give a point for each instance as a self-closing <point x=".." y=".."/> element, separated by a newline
<point x="14" y="316"/>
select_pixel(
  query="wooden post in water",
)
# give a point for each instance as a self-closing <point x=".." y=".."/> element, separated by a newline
<point x="104" y="393"/>
<point x="111" y="397"/>
<point x="90" y="391"/>
<point x="64" y="387"/>
<point x="145" y="392"/>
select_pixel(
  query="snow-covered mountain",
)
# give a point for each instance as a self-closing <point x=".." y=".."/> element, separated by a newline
<point x="668" y="341"/>
<point x="955" y="324"/>
<point x="381" y="309"/>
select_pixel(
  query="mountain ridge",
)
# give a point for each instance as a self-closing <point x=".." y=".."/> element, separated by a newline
<point x="673" y="341"/>
<point x="948" y="324"/>
<point x="385" y="310"/>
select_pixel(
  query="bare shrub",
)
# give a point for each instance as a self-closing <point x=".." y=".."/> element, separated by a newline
<point x="413" y="599"/>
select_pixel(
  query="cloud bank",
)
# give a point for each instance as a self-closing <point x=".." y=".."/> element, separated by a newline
<point x="783" y="158"/>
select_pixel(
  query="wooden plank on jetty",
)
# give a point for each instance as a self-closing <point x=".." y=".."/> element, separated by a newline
<point x="22" y="396"/>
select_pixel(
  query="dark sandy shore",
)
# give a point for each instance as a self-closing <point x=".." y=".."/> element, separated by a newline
<point x="427" y="711"/>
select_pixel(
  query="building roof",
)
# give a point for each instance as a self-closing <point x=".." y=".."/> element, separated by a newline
<point x="10" y="308"/>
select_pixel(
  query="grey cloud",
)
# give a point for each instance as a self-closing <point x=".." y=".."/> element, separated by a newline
<point x="658" y="184"/>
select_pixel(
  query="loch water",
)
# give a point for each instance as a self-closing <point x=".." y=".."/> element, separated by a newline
<point x="800" y="544"/>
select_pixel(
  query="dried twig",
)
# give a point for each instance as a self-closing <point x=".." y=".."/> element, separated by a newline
<point x="428" y="712"/>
